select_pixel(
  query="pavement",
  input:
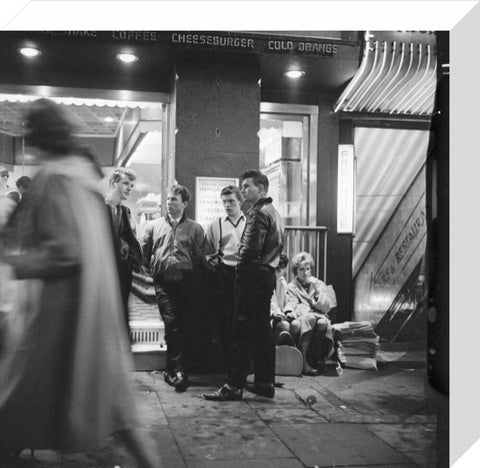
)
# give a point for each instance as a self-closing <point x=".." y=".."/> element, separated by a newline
<point x="362" y="418"/>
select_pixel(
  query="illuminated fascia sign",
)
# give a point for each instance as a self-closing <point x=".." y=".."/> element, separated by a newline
<point x="208" y="204"/>
<point x="346" y="190"/>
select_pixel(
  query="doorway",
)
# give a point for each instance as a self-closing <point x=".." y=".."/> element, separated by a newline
<point x="121" y="128"/>
<point x="288" y="156"/>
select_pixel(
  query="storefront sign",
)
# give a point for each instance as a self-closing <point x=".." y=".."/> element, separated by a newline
<point x="217" y="40"/>
<point x="122" y="36"/>
<point x="302" y="47"/>
<point x="208" y="204"/>
<point x="346" y="190"/>
<point x="407" y="242"/>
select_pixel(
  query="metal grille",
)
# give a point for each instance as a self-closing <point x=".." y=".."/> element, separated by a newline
<point x="395" y="77"/>
<point x="144" y="336"/>
<point x="147" y="333"/>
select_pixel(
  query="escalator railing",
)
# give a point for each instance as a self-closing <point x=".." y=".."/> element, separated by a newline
<point x="405" y="319"/>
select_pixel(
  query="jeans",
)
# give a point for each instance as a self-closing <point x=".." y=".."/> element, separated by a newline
<point x="173" y="302"/>
<point x="252" y="332"/>
<point x="223" y="304"/>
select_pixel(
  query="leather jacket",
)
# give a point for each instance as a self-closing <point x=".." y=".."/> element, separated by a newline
<point x="263" y="237"/>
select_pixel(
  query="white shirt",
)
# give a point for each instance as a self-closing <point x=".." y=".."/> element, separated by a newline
<point x="231" y="235"/>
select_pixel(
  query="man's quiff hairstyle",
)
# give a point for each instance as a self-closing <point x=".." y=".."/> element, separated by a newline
<point x="118" y="174"/>
<point x="257" y="178"/>
<point x="232" y="189"/>
<point x="180" y="190"/>
<point x="299" y="258"/>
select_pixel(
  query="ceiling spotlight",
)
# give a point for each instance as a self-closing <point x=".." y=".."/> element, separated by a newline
<point x="29" y="51"/>
<point x="127" y="58"/>
<point x="294" y="74"/>
<point x="108" y="119"/>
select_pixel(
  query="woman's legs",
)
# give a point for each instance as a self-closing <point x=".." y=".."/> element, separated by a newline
<point x="295" y="328"/>
<point x="304" y="344"/>
<point x="320" y="344"/>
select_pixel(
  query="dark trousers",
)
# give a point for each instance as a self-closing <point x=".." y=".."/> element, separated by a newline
<point x="223" y="306"/>
<point x="252" y="331"/>
<point x="173" y="301"/>
<point x="125" y="276"/>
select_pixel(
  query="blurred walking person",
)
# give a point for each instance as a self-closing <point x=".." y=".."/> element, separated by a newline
<point x="64" y="382"/>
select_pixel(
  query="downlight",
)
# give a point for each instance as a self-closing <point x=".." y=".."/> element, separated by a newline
<point x="127" y="58"/>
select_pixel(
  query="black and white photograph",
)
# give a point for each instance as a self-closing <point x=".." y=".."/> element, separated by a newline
<point x="229" y="246"/>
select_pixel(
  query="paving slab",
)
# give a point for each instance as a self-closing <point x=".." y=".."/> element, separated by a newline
<point x="199" y="407"/>
<point x="170" y="452"/>
<point x="258" y="463"/>
<point x="425" y="459"/>
<point x="150" y="410"/>
<point x="324" y="445"/>
<point x="289" y="415"/>
<point x="407" y="437"/>
<point x="310" y="396"/>
<point x="110" y="454"/>
<point x="350" y="416"/>
<point x="226" y="439"/>
<point x="392" y="392"/>
<point x="283" y="397"/>
<point x="389" y="465"/>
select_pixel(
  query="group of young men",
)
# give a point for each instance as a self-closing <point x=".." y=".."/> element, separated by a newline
<point x="242" y="250"/>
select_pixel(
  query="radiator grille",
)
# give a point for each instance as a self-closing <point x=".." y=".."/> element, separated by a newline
<point x="144" y="336"/>
<point x="146" y="333"/>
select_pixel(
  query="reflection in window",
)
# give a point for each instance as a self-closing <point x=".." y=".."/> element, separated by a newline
<point x="283" y="153"/>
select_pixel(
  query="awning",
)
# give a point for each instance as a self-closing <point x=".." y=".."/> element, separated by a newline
<point x="396" y="76"/>
<point x="76" y="101"/>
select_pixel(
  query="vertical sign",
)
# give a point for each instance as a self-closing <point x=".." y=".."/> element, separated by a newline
<point x="208" y="204"/>
<point x="346" y="190"/>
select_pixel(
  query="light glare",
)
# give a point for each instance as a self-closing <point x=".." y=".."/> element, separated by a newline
<point x="29" y="51"/>
<point x="294" y="74"/>
<point x="127" y="58"/>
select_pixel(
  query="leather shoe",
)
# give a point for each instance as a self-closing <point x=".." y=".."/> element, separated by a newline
<point x="181" y="382"/>
<point x="264" y="390"/>
<point x="168" y="377"/>
<point x="224" y="394"/>
<point x="178" y="380"/>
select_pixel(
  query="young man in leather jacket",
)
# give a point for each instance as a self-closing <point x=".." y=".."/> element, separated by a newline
<point x="259" y="254"/>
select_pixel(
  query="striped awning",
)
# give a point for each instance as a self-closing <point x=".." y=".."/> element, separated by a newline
<point x="77" y="101"/>
<point x="397" y="75"/>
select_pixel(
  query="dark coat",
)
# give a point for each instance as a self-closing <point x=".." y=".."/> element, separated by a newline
<point x="124" y="236"/>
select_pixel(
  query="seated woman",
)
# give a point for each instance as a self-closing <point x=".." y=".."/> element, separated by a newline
<point x="312" y="301"/>
<point x="279" y="306"/>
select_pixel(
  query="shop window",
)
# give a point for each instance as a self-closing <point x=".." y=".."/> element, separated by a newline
<point x="288" y="156"/>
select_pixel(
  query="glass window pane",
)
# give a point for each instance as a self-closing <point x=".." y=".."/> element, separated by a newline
<point x="283" y="158"/>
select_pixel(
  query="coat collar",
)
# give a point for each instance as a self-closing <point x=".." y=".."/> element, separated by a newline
<point x="170" y="221"/>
